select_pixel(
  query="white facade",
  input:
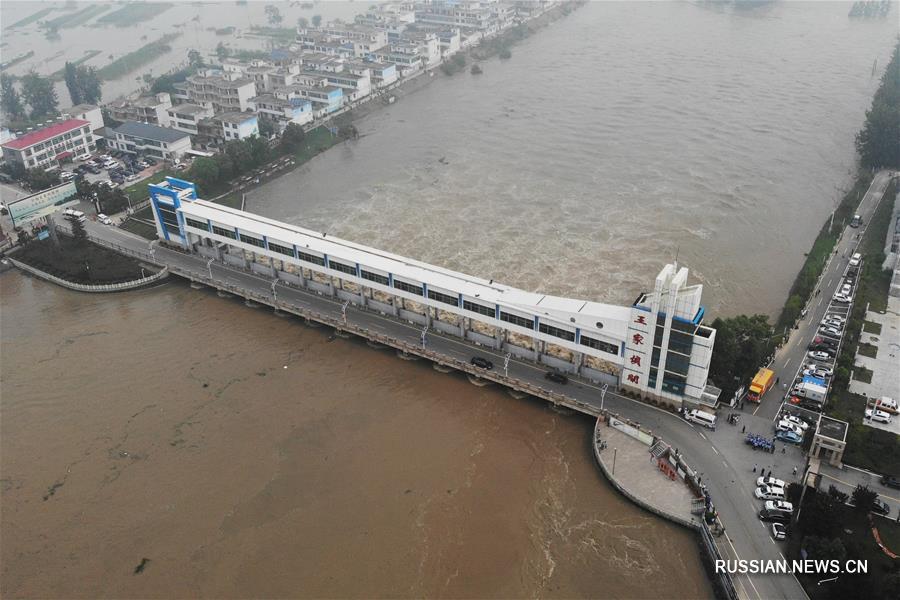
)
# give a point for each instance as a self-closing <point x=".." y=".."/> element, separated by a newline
<point x="86" y="112"/>
<point x="187" y="117"/>
<point x="222" y="91"/>
<point x="48" y="146"/>
<point x="151" y="140"/>
<point x="145" y="109"/>
<point x="238" y="126"/>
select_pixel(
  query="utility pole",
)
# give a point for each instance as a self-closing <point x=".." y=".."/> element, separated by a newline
<point x="603" y="395"/>
<point x="208" y="264"/>
<point x="344" y="310"/>
<point x="424" y="332"/>
<point x="274" y="293"/>
<point x="506" y="364"/>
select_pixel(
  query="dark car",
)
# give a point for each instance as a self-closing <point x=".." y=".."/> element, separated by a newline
<point x="891" y="481"/>
<point x="810" y="404"/>
<point x="481" y="363"/>
<point x="150" y="161"/>
<point x="878" y="506"/>
<point x="774" y="516"/>
<point x="556" y="377"/>
<point x="827" y="349"/>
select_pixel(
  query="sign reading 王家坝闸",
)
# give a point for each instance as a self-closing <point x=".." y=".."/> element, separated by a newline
<point x="43" y="203"/>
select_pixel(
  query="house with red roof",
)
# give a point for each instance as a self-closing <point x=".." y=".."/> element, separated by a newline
<point x="50" y="145"/>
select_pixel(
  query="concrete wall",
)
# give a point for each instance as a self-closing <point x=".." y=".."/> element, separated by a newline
<point x="520" y="352"/>
<point x="353" y="298"/>
<point x="557" y="363"/>
<point x="290" y="278"/>
<point x="446" y="327"/>
<point x="415" y="317"/>
<point x="235" y="260"/>
<point x="380" y="306"/>
<point x="262" y="269"/>
<point x="315" y="286"/>
<point x="480" y="338"/>
<point x="599" y="376"/>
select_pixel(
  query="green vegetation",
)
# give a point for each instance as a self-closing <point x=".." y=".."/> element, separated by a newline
<point x="862" y="374"/>
<point x="83" y="84"/>
<point x="61" y="74"/>
<point x="39" y="94"/>
<point x="134" y="13"/>
<point x="10" y="100"/>
<point x="877" y="142"/>
<point x="867" y="350"/>
<point x="140" y="57"/>
<point x="867" y="447"/>
<point x="79" y="261"/>
<point x="76" y="18"/>
<point x="32" y="18"/>
<point x="872" y="327"/>
<point x="742" y="344"/>
<point x="284" y="35"/>
<point x="829" y="529"/>
<point x="457" y="63"/>
<point x="18" y="59"/>
<point x="137" y="192"/>
<point x="223" y="52"/>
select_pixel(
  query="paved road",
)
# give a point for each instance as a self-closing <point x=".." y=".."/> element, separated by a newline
<point x="790" y="357"/>
<point x="725" y="462"/>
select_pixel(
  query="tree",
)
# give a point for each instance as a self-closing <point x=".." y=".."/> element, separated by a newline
<point x="820" y="548"/>
<point x="273" y="14"/>
<point x="38" y="179"/>
<point x="742" y="345"/>
<point x="9" y="96"/>
<point x="111" y="201"/>
<point x="266" y="126"/>
<point x="316" y="20"/>
<point x="222" y="51"/>
<point x="205" y="173"/>
<point x="292" y="138"/>
<point x="89" y="82"/>
<point x="39" y="94"/>
<point x="79" y="233"/>
<point x="877" y="141"/>
<point x="863" y="499"/>
<point x="195" y="59"/>
<point x="302" y="23"/>
<point x="72" y="84"/>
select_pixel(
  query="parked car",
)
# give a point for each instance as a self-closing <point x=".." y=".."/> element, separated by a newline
<point x="819" y="355"/>
<point x="556" y="377"/>
<point x="846" y="289"/>
<point x="842" y="299"/>
<point x="836" y="317"/>
<point x="779" y="531"/>
<point x="765" y="492"/>
<point x="807" y="404"/>
<point x="150" y="161"/>
<point x="839" y="325"/>
<point x="879" y="507"/>
<point x="879" y="416"/>
<point x="803" y="425"/>
<point x="830" y="331"/>
<point x="771" y="481"/>
<point x="784" y="425"/>
<point x="855" y="259"/>
<point x="481" y="363"/>
<point x="132" y="177"/>
<point x="890" y="481"/>
<point x="104" y="219"/>
<point x="791" y="437"/>
<point x="775" y="516"/>
<point x="780" y="506"/>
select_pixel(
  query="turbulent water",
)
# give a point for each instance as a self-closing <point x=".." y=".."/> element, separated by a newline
<point x="244" y="455"/>
<point x="612" y="141"/>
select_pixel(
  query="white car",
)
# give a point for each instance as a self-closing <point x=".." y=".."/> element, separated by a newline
<point x="796" y="421"/>
<point x="66" y="176"/>
<point x="830" y="331"/>
<point x="855" y="259"/>
<point x="879" y="416"/>
<point x="819" y="355"/>
<point x="779" y="531"/>
<point x="839" y="325"/>
<point x="765" y="492"/>
<point x="771" y="481"/>
<point x="779" y="505"/>
<point x="104" y="219"/>
<point x="846" y="289"/>
<point x="784" y="425"/>
<point x="842" y="299"/>
<point x="835" y="317"/>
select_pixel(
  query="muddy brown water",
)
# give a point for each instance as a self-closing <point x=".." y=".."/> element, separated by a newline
<point x="243" y="454"/>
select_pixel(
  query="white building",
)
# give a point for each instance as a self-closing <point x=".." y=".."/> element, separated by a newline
<point x="283" y="110"/>
<point x="49" y="146"/>
<point x="237" y="125"/>
<point x="151" y="140"/>
<point x="222" y="91"/>
<point x="145" y="109"/>
<point x="86" y="112"/>
<point x="594" y="340"/>
<point x="187" y="117"/>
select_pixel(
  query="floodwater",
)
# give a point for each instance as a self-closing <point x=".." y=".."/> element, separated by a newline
<point x="242" y="454"/>
<point x="611" y="142"/>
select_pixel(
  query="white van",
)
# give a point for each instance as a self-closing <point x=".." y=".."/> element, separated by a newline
<point x="765" y="492"/>
<point x="886" y="404"/>
<point x="701" y="418"/>
<point x="73" y="215"/>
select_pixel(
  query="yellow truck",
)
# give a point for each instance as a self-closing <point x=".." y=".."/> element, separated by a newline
<point x="761" y="384"/>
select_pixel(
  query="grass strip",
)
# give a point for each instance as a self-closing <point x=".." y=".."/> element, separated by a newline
<point x="32" y="18"/>
<point x="134" y="60"/>
<point x="76" y="18"/>
<point x="134" y="13"/>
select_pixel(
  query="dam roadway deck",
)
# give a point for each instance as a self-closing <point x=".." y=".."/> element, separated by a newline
<point x="720" y="456"/>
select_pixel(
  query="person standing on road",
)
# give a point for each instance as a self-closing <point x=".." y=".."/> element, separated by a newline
<point x="795" y="471"/>
<point x="754" y="467"/>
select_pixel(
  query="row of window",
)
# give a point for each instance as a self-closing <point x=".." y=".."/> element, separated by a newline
<point x="445" y="298"/>
<point x="419" y="291"/>
<point x="556" y="332"/>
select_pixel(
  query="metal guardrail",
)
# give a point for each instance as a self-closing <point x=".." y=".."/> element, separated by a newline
<point x="99" y="288"/>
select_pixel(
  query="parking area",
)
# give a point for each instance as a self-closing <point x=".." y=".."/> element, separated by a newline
<point x="877" y="357"/>
<point x="114" y="168"/>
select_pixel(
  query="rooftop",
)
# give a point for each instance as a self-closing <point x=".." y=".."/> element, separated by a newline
<point x="235" y="117"/>
<point x="832" y="428"/>
<point x="151" y="132"/>
<point x="44" y="134"/>
<point x="188" y="109"/>
<point x="81" y="108"/>
<point x="582" y="313"/>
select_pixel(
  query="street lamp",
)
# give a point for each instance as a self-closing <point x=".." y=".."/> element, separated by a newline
<point x="506" y="364"/>
<point x="615" y="451"/>
<point x="274" y="293"/>
<point x="344" y="311"/>
<point x="209" y="266"/>
<point x="603" y="395"/>
<point x="424" y="331"/>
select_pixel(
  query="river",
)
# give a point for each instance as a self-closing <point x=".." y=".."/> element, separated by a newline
<point x="610" y="143"/>
<point x="244" y="455"/>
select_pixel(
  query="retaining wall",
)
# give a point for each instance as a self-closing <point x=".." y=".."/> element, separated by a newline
<point x="103" y="288"/>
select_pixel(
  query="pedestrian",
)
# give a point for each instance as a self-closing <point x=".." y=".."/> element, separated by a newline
<point x="744" y="429"/>
<point x="795" y="471"/>
<point x="777" y="380"/>
<point x="754" y="467"/>
<point x="782" y="449"/>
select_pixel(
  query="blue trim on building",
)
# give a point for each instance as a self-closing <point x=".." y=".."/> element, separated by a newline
<point x="639" y="307"/>
<point x="699" y="316"/>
